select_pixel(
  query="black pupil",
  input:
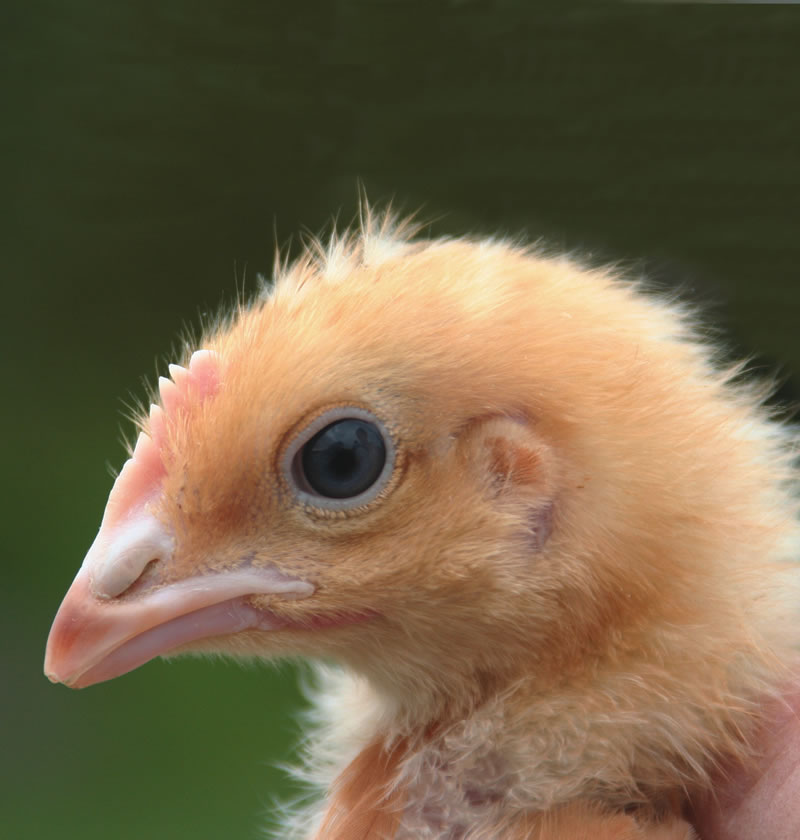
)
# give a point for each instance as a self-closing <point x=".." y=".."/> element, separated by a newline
<point x="344" y="459"/>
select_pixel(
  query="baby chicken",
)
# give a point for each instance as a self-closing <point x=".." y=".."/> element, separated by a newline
<point x="549" y="541"/>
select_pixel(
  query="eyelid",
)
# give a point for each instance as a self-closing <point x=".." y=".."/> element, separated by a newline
<point x="294" y="476"/>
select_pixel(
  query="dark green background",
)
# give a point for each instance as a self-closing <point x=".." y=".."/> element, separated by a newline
<point x="151" y="151"/>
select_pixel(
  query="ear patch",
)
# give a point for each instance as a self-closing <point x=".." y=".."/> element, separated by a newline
<point x="513" y="461"/>
<point x="520" y="468"/>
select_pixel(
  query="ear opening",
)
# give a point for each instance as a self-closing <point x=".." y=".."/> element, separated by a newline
<point x="514" y="462"/>
<point x="515" y="458"/>
<point x="518" y="468"/>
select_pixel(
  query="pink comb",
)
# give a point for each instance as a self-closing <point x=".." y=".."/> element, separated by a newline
<point x="199" y="382"/>
<point x="142" y="473"/>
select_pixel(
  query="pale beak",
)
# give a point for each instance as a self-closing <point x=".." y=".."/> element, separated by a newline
<point x="103" y="630"/>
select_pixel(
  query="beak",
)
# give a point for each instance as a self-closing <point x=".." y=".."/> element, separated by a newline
<point x="106" y="626"/>
<point x="114" y="616"/>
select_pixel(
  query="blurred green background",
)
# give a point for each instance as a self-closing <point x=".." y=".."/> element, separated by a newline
<point x="152" y="154"/>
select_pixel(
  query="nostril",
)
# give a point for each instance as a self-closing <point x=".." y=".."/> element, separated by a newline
<point x="123" y="555"/>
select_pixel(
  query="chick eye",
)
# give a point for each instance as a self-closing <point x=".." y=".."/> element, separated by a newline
<point x="344" y="459"/>
<point x="341" y="460"/>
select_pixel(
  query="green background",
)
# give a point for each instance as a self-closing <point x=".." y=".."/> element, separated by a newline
<point x="152" y="154"/>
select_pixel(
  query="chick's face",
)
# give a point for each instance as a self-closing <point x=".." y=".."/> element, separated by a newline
<point x="334" y="473"/>
<point x="418" y="466"/>
<point x="351" y="459"/>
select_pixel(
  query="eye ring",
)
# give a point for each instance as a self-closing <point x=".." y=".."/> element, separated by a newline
<point x="292" y="461"/>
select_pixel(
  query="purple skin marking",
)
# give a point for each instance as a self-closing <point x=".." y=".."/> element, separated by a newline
<point x="540" y="526"/>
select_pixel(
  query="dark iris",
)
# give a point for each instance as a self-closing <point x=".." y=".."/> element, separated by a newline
<point x="344" y="459"/>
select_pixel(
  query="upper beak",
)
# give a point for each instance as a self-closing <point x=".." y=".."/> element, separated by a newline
<point x="103" y="630"/>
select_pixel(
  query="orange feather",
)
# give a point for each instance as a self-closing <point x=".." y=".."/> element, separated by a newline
<point x="364" y="802"/>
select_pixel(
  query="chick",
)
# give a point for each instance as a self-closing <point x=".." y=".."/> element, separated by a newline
<point x="551" y="542"/>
